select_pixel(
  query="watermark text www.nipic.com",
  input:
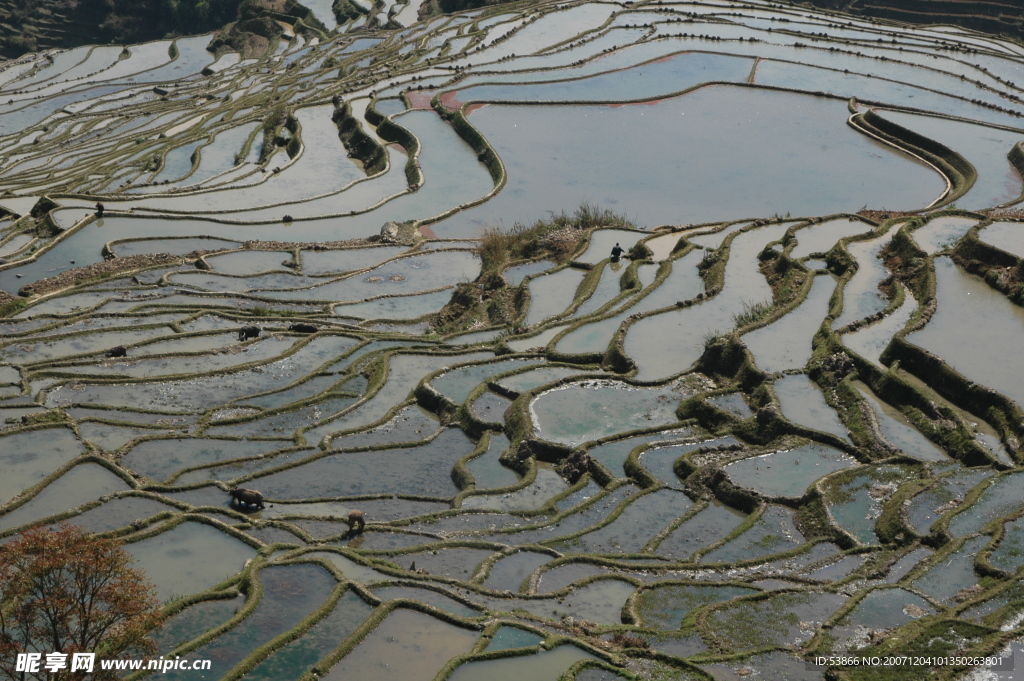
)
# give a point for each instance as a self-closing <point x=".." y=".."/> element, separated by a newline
<point x="33" y="663"/>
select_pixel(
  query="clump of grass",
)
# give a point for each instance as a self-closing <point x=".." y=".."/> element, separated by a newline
<point x="752" y="312"/>
<point x="271" y="125"/>
<point x="499" y="246"/>
<point x="624" y="639"/>
<point x="588" y="215"/>
<point x="556" y="237"/>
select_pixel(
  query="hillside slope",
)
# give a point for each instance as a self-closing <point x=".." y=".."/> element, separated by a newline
<point x="1001" y="17"/>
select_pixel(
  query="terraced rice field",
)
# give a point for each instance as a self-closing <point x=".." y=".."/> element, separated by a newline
<point x="786" y="426"/>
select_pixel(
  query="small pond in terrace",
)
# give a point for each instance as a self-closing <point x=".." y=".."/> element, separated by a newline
<point x="803" y="403"/>
<point x="423" y="470"/>
<point x="513" y="637"/>
<point x="580" y="412"/>
<point x="84" y="483"/>
<point x="870" y="341"/>
<point x="406" y="646"/>
<point x="788" y="473"/>
<point x="665" y="607"/>
<point x="29" y="456"/>
<point x="970" y="328"/>
<point x="552" y="293"/>
<point x="786" y="343"/>
<point x="189" y="558"/>
<point x="290" y="593"/>
<point x="941" y="233"/>
<point x="1008" y="236"/>
<point x="861" y="297"/>
<point x="821" y="237"/>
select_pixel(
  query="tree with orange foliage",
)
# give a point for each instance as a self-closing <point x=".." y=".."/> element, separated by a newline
<point x="68" y="591"/>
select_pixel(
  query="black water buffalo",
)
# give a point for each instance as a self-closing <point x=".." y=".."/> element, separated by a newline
<point x="302" y="328"/>
<point x="246" y="497"/>
<point x="247" y="332"/>
<point x="119" y="351"/>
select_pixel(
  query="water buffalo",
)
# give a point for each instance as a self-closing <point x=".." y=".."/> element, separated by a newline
<point x="246" y="497"/>
<point x="302" y="328"/>
<point x="247" y="332"/>
<point x="119" y="351"/>
<point x="356" y="522"/>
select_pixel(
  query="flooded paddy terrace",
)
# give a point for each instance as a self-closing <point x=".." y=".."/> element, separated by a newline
<point x="787" y="424"/>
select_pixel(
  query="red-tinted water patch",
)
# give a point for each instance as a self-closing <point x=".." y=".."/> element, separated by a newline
<point x="473" y="107"/>
<point x="450" y="100"/>
<point x="419" y="99"/>
<point x="427" y="232"/>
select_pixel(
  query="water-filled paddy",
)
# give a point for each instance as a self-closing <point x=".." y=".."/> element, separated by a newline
<point x="30" y="456"/>
<point x="803" y="403"/>
<point x="419" y="471"/>
<point x="591" y="410"/>
<point x="985" y="148"/>
<point x="786" y="344"/>
<point x="861" y="296"/>
<point x="289" y="594"/>
<point x="787" y="473"/>
<point x="544" y="666"/>
<point x="953" y="574"/>
<point x="190" y="558"/>
<point x="82" y="484"/>
<point x="348" y="613"/>
<point x="701" y="530"/>
<point x="773" y="532"/>
<point x="612" y="455"/>
<point x="511" y="528"/>
<point x="456" y="385"/>
<point x="665" y="607"/>
<point x="660" y="78"/>
<point x="577" y="138"/>
<point x="820" y="238"/>
<point x="551" y="293"/>
<point x="969" y="328"/>
<point x="407" y="645"/>
<point x="666" y="344"/>
<point x="1004" y="235"/>
<point x="871" y="340"/>
<point x="941" y="233"/>
<point x="635" y="526"/>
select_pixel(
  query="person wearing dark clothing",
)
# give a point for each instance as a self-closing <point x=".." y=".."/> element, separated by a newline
<point x="617" y="253"/>
<point x="99" y="210"/>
